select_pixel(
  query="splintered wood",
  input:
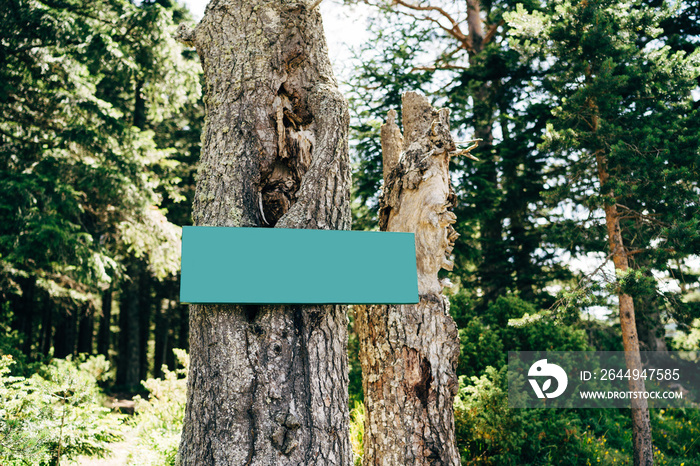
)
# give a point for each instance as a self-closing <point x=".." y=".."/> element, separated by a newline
<point x="409" y="352"/>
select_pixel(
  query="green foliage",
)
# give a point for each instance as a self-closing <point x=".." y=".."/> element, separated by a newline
<point x="602" y="335"/>
<point x="18" y="439"/>
<point x="585" y="294"/>
<point x="357" y="431"/>
<point x="355" y="393"/>
<point x="488" y="433"/>
<point x="483" y="424"/>
<point x="55" y="414"/>
<point x="620" y="89"/>
<point x="687" y="340"/>
<point x="159" y="418"/>
<point x="480" y="347"/>
<point x="97" y="366"/>
<point x="91" y="102"/>
<point x="676" y="434"/>
<point x="485" y="340"/>
<point x="636" y="283"/>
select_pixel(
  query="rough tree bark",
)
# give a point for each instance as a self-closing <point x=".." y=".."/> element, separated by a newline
<point x="409" y="352"/>
<point x="268" y="384"/>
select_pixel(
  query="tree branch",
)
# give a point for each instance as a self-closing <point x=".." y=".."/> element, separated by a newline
<point x="455" y="31"/>
<point x="492" y="32"/>
<point x="437" y="67"/>
<point x="648" y="217"/>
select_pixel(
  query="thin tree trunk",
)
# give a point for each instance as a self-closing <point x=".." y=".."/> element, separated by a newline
<point x="145" y="311"/>
<point x="28" y="305"/>
<point x="104" y="336"/>
<point x="268" y="384"/>
<point x="409" y="352"/>
<point x="139" y="106"/>
<point x="180" y="333"/>
<point x="641" y="426"/>
<point x="160" y="334"/>
<point x="46" y="335"/>
<point x="183" y="335"/>
<point x="490" y="271"/>
<point x="86" y="329"/>
<point x="129" y="351"/>
<point x="66" y="332"/>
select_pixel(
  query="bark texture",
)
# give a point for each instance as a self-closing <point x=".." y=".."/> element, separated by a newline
<point x="268" y="384"/>
<point x="409" y="352"/>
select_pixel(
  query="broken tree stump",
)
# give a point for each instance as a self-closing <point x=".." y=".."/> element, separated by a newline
<point x="409" y="353"/>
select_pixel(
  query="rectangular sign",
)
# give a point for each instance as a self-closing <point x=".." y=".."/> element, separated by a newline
<point x="601" y="379"/>
<point x="290" y="266"/>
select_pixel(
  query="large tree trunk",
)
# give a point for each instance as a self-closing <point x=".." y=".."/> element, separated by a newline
<point x="641" y="426"/>
<point x="268" y="384"/>
<point x="409" y="352"/>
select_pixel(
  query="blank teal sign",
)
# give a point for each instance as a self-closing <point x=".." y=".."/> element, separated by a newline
<point x="284" y="266"/>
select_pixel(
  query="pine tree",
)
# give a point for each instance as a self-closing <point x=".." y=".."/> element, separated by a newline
<point x="627" y="143"/>
<point x="82" y="176"/>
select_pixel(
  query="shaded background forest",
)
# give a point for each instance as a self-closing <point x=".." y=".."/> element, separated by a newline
<point x="100" y="119"/>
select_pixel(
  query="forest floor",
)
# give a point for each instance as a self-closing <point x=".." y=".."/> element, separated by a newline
<point x="119" y="450"/>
